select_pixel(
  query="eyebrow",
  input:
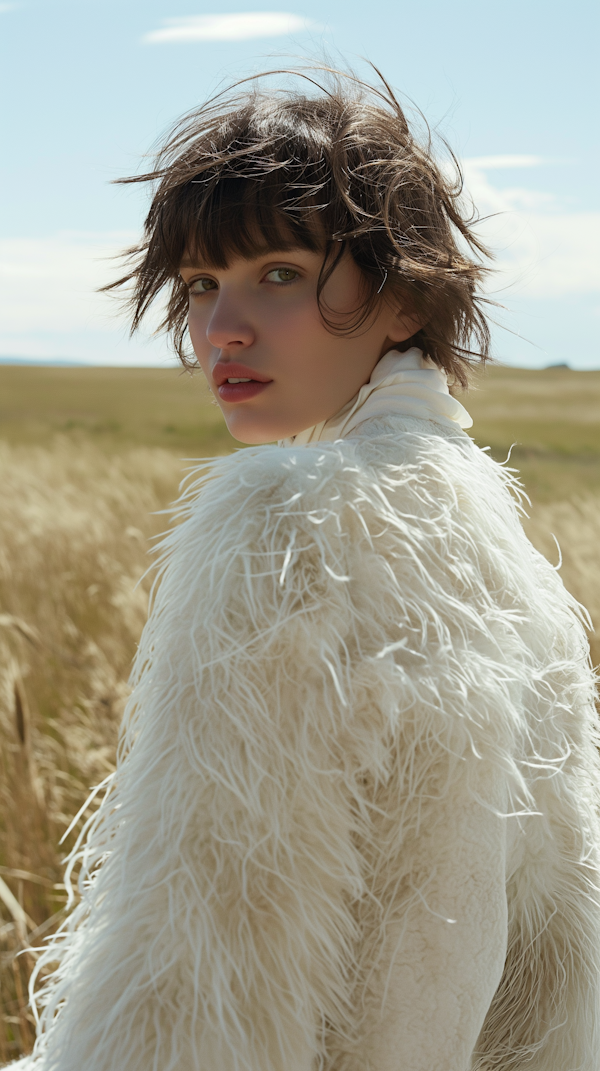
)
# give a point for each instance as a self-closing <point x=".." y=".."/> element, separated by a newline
<point x="188" y="263"/>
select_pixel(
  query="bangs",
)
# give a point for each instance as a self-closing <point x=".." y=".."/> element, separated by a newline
<point x="217" y="219"/>
<point x="253" y="172"/>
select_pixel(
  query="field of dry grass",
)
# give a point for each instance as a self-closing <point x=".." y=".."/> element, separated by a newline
<point x="74" y="534"/>
<point x="87" y="458"/>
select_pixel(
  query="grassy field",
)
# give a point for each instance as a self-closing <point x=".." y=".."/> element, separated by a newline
<point x="114" y="408"/>
<point x="552" y="416"/>
<point x="88" y="456"/>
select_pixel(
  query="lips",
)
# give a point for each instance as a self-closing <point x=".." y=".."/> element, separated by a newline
<point x="252" y="382"/>
<point x="241" y="392"/>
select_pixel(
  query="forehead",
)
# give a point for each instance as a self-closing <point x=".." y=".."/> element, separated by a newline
<point x="234" y="219"/>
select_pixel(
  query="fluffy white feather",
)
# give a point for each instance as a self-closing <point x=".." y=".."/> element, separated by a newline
<point x="354" y="663"/>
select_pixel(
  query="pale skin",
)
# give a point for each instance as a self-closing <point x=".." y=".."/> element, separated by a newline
<point x="262" y="313"/>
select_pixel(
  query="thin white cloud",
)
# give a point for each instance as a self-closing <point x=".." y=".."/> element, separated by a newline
<point x="497" y="163"/>
<point x="49" y="305"/>
<point x="542" y="250"/>
<point x="6" y="7"/>
<point x="241" y="26"/>
<point x="50" y="283"/>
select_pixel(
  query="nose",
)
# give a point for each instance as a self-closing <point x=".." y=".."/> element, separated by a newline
<point x="229" y="328"/>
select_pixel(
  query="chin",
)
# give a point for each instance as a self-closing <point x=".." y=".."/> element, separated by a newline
<point x="252" y="436"/>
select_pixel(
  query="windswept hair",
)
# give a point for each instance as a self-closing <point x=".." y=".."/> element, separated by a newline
<point x="256" y="170"/>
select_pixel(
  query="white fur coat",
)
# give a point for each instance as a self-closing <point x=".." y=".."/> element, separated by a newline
<point x="354" y="824"/>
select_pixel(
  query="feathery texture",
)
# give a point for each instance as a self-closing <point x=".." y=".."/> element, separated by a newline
<point x="362" y="722"/>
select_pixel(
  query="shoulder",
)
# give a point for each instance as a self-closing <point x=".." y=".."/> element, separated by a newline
<point x="411" y="477"/>
<point x="407" y="513"/>
<point x="401" y="454"/>
<point x="410" y="508"/>
<point x="437" y="475"/>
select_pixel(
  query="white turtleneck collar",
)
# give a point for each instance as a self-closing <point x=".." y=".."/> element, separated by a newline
<point x="406" y="383"/>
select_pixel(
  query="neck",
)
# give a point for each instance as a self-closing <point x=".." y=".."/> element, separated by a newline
<point x="406" y="384"/>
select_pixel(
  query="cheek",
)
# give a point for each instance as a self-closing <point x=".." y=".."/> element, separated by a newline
<point x="197" y="326"/>
<point x="294" y="323"/>
<point x="200" y="345"/>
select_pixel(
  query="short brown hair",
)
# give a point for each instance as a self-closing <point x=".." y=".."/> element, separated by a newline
<point x="256" y="170"/>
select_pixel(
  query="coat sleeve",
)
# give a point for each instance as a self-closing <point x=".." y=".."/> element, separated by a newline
<point x="310" y="785"/>
<point x="442" y="957"/>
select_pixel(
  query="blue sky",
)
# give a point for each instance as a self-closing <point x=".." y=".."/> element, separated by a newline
<point x="88" y="87"/>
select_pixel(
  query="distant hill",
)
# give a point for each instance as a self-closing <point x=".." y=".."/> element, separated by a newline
<point x="48" y="361"/>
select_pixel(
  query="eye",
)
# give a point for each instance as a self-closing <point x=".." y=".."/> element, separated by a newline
<point x="282" y="275"/>
<point x="202" y="286"/>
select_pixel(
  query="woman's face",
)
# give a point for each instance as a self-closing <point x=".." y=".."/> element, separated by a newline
<point x="272" y="364"/>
